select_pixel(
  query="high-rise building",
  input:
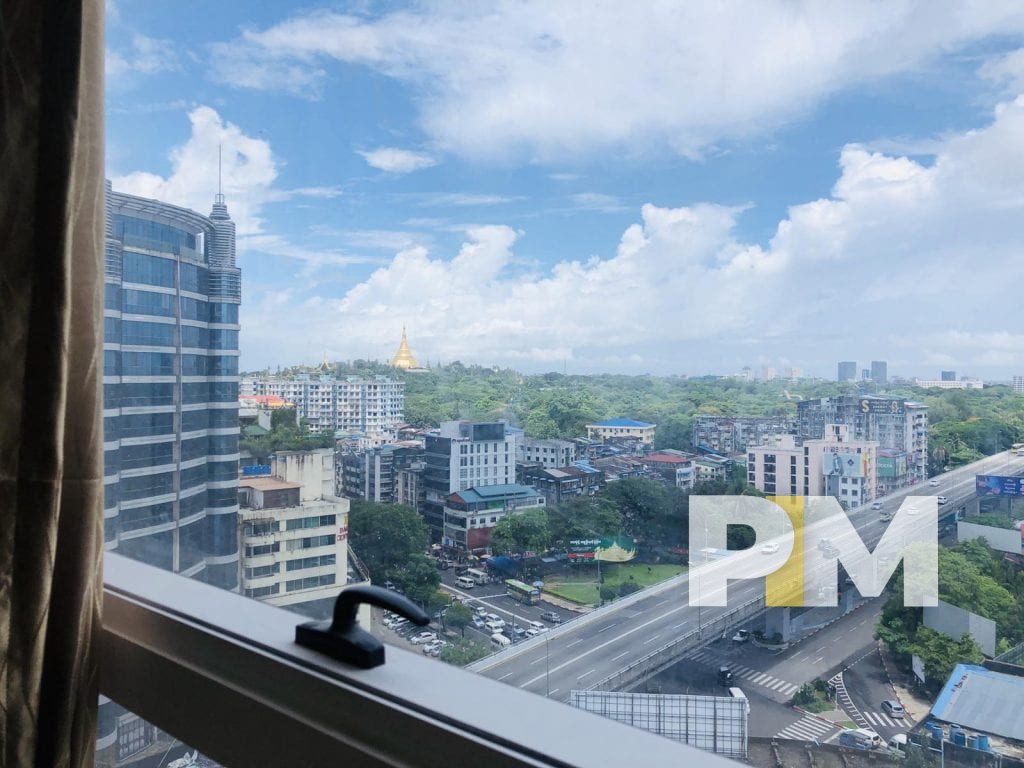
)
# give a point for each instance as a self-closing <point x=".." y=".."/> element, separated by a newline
<point x="372" y="475"/>
<point x="847" y="370"/>
<point x="374" y="405"/>
<point x="1018" y="385"/>
<point x="461" y="455"/>
<point x="897" y="425"/>
<point x="170" y="387"/>
<point x="947" y="376"/>
<point x="879" y="372"/>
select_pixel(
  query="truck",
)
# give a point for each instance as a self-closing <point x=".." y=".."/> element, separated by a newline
<point x="477" y="575"/>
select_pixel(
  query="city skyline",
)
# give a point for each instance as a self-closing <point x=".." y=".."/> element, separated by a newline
<point x="381" y="179"/>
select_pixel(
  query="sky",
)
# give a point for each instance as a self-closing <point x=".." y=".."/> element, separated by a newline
<point x="652" y="187"/>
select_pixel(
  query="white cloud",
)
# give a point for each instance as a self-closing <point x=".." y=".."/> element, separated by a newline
<point x="903" y="260"/>
<point x="553" y="80"/>
<point x="147" y="56"/>
<point x="394" y="160"/>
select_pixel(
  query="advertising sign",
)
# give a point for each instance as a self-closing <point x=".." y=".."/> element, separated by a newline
<point x="620" y="549"/>
<point x="839" y="461"/>
<point x="891" y="464"/>
<point x="256" y="470"/>
<point x="999" y="485"/>
<point x="881" y="405"/>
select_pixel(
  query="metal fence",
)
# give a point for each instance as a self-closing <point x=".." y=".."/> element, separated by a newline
<point x="657" y="660"/>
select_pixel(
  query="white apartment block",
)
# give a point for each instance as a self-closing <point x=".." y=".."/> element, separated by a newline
<point x="551" y="454"/>
<point x="964" y="383"/>
<point x="294" y="531"/>
<point x="374" y="405"/>
<point x="833" y="466"/>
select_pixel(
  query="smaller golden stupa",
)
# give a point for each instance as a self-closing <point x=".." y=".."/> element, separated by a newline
<point x="403" y="357"/>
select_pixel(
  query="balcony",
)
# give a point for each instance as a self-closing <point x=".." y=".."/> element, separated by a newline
<point x="165" y="649"/>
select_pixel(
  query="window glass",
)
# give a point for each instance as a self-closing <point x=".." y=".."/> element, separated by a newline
<point x="151" y="270"/>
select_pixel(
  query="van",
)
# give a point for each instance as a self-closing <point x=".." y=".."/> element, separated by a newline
<point x="499" y="641"/>
<point x="465" y="582"/>
<point x="898" y="743"/>
<point x="860" y="738"/>
<point x="736" y="693"/>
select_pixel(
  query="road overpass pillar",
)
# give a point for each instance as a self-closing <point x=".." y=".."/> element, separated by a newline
<point x="777" y="621"/>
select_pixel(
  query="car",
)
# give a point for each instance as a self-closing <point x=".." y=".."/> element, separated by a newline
<point x="481" y="610"/>
<point x="893" y="708"/>
<point x="886" y="516"/>
<point x="933" y="482"/>
<point x="478" y="622"/>
<point x="725" y="676"/>
<point x="551" y="616"/>
<point x="876" y="505"/>
<point x="422" y="637"/>
<point x="537" y="625"/>
<point x="493" y="617"/>
<point x="516" y="631"/>
<point x="741" y="636"/>
<point x="770" y="548"/>
<point x="495" y="626"/>
<point x="532" y="632"/>
<point x="941" y="499"/>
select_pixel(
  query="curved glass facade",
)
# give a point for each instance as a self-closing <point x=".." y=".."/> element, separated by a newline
<point x="171" y="387"/>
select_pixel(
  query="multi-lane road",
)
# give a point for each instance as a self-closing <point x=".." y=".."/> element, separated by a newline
<point x="609" y="639"/>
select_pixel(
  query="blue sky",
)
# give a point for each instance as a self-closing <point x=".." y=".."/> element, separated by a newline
<point x="685" y="189"/>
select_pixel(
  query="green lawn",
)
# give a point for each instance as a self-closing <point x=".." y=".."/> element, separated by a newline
<point x="581" y="587"/>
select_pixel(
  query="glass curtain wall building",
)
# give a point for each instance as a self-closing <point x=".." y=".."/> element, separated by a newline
<point x="171" y="387"/>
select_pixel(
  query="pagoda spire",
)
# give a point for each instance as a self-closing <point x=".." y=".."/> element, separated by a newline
<point x="403" y="357"/>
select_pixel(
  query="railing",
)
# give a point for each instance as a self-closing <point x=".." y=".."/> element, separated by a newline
<point x="359" y="566"/>
<point x="657" y="660"/>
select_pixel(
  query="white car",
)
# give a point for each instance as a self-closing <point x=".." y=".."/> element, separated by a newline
<point x="496" y="619"/>
<point x="539" y="626"/>
<point x="478" y="622"/>
<point x="481" y="610"/>
<point x="770" y="548"/>
<point x="741" y="636"/>
<point x="435" y="645"/>
<point x="423" y="637"/>
<point x="876" y="505"/>
<point x="533" y="632"/>
<point x="495" y="626"/>
<point x="933" y="482"/>
<point x="941" y="499"/>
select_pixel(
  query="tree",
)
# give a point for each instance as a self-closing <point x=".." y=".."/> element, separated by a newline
<point x="459" y="616"/>
<point x="462" y="652"/>
<point x="644" y="505"/>
<point x="521" y="532"/>
<point x="583" y="517"/>
<point x="391" y="540"/>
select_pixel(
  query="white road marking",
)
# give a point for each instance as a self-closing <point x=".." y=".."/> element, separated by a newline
<point x="651" y="639"/>
<point x="504" y="676"/>
<point x="586" y="673"/>
<point x="624" y="653"/>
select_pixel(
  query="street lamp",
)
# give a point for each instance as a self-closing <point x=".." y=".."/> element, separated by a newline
<point x="547" y="665"/>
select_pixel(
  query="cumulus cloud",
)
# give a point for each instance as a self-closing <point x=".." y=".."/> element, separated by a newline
<point x="146" y="56"/>
<point x="553" y="80"/>
<point x="904" y="258"/>
<point x="394" y="160"/>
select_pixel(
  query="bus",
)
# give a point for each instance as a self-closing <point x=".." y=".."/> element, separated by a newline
<point x="524" y="593"/>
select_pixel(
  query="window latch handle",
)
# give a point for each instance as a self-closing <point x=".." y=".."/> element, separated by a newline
<point x="343" y="639"/>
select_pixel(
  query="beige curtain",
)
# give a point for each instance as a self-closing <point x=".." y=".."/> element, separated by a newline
<point x="51" y="368"/>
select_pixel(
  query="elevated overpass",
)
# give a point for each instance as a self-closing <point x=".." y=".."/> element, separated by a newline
<point x="610" y="639"/>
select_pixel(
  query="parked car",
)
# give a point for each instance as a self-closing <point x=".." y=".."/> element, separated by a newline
<point x="481" y="610"/>
<point x="533" y="632"/>
<point x="741" y="636"/>
<point x="551" y="616"/>
<point x="538" y="626"/>
<point x="893" y="708"/>
<point x="495" y="626"/>
<point x="496" y="619"/>
<point x="478" y="622"/>
<point x="422" y="637"/>
<point x="770" y="548"/>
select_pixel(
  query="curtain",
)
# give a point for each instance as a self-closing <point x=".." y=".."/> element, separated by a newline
<point x="51" y="438"/>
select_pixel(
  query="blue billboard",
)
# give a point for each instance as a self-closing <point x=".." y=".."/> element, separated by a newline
<point x="255" y="470"/>
<point x="998" y="485"/>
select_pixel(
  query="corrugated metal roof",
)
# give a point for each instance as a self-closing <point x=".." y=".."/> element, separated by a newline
<point x="621" y="423"/>
<point x="977" y="698"/>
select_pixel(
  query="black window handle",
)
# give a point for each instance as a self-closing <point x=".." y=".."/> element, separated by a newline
<point x="343" y="639"/>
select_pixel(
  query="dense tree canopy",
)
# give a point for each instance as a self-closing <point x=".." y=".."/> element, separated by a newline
<point x="392" y="541"/>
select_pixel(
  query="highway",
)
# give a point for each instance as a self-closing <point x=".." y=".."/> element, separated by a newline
<point x="599" y="644"/>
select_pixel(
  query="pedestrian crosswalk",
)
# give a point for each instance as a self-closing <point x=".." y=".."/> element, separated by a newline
<point x="807" y="728"/>
<point x="880" y="718"/>
<point x="755" y="676"/>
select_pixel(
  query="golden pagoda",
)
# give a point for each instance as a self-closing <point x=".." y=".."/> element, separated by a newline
<point x="403" y="357"/>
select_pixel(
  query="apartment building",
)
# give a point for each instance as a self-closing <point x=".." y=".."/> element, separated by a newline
<point x="548" y="453"/>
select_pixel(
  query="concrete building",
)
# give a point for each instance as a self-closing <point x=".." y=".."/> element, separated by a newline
<point x="674" y="467"/>
<point x="372" y="475"/>
<point x="894" y="423"/>
<point x="462" y="455"/>
<point x="170" y="387"/>
<point x="947" y="375"/>
<point x="622" y="428"/>
<point x="847" y="371"/>
<point x="1018" y="385"/>
<point x="964" y="383"/>
<point x="879" y="372"/>
<point x="561" y="484"/>
<point x="548" y="453"/>
<point x="294" y="531"/>
<point x="727" y="435"/>
<point x="835" y="465"/>
<point x="470" y="515"/>
<point x="373" y="405"/>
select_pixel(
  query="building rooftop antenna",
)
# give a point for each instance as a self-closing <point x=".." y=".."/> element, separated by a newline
<point x="220" y="176"/>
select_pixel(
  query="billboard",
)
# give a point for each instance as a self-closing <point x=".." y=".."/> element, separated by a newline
<point x="881" y="406"/>
<point x="256" y="470"/>
<point x="620" y="549"/>
<point x="840" y="461"/>
<point x="998" y="485"/>
<point x="891" y="464"/>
